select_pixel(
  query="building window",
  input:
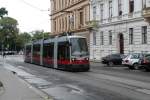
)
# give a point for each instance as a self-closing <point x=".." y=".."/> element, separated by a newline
<point x="110" y="9"/>
<point x="81" y="18"/>
<point x="63" y="24"/>
<point x="144" y="34"/>
<point x="102" y="38"/>
<point x="94" y="12"/>
<point x="55" y="25"/>
<point x="65" y="3"/>
<point x="66" y="24"/>
<point x="69" y="24"/>
<point x="62" y="3"/>
<point x="131" y="6"/>
<point x="119" y="7"/>
<point x="59" y="25"/>
<point x="94" y="38"/>
<point x="110" y="37"/>
<point x="59" y="4"/>
<point x="143" y="3"/>
<point x="130" y="35"/>
<point x="68" y="2"/>
<point x="54" y="5"/>
<point x="71" y="21"/>
<point x="72" y="2"/>
<point x="101" y="12"/>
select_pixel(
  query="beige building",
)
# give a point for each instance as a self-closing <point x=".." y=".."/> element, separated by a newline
<point x="70" y="16"/>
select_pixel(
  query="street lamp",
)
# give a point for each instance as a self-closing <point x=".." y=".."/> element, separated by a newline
<point x="1" y="27"/>
<point x="71" y="21"/>
<point x="7" y="45"/>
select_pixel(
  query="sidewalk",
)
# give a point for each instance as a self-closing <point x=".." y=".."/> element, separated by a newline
<point x="15" y="88"/>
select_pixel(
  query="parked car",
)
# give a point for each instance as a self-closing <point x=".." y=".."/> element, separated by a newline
<point x="145" y="62"/>
<point x="132" y="60"/>
<point x="10" y="52"/>
<point x="113" y="59"/>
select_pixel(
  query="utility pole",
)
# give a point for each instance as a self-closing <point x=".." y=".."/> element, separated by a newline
<point x="1" y="41"/>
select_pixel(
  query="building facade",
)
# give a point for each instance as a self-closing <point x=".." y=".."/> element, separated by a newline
<point x="123" y="27"/>
<point x="70" y="16"/>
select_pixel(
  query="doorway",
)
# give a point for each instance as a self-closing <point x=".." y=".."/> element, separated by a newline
<point x="121" y="43"/>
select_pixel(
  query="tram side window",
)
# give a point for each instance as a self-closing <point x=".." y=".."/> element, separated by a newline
<point x="36" y="50"/>
<point x="28" y="50"/>
<point x="48" y="50"/>
<point x="63" y="50"/>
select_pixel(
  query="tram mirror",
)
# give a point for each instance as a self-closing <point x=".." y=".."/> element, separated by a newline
<point x="68" y="44"/>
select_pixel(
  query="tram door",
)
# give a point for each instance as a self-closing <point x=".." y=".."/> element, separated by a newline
<point x="63" y="55"/>
<point x="28" y="53"/>
<point x="48" y="54"/>
<point x="36" y="54"/>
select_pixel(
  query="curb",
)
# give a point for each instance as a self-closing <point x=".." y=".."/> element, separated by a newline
<point x="42" y="94"/>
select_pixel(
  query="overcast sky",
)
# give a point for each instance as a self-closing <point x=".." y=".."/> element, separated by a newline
<point x="30" y="14"/>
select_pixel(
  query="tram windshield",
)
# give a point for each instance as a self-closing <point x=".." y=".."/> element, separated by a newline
<point x="79" y="47"/>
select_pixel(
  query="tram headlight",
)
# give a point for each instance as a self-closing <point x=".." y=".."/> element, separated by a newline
<point x="73" y="59"/>
<point x="86" y="58"/>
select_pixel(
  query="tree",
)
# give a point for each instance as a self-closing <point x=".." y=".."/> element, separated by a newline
<point x="39" y="35"/>
<point x="25" y="37"/>
<point x="8" y="32"/>
<point x="22" y="39"/>
<point x="3" y="12"/>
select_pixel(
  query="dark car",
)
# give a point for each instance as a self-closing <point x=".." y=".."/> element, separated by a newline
<point x="113" y="59"/>
<point x="145" y="62"/>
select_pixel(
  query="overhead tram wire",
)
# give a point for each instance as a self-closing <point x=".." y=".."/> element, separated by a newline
<point x="33" y="6"/>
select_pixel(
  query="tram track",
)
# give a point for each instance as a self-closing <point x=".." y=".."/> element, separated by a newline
<point x="99" y="81"/>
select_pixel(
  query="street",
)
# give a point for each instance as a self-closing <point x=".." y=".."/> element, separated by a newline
<point x="100" y="83"/>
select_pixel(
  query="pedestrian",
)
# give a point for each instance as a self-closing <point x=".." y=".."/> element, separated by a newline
<point x="4" y="54"/>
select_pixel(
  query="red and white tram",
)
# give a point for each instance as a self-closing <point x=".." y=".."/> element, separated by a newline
<point x="60" y="52"/>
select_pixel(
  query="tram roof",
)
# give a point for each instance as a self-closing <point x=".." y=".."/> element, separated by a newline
<point x="49" y="40"/>
<point x="38" y="41"/>
<point x="62" y="38"/>
<point x="56" y="38"/>
<point x="75" y="36"/>
<point x="28" y="44"/>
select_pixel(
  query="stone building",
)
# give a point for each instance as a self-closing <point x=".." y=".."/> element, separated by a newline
<point x="70" y="16"/>
<point x="123" y="27"/>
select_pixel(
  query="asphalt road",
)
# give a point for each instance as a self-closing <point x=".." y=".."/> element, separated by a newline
<point x="100" y="83"/>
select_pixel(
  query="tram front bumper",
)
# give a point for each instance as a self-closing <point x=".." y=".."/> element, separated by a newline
<point x="73" y="67"/>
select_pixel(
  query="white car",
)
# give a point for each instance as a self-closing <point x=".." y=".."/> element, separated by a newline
<point x="132" y="60"/>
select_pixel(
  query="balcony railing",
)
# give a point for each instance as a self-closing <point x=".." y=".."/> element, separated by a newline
<point x="146" y="13"/>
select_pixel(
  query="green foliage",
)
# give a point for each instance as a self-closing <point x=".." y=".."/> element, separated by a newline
<point x="3" y="12"/>
<point x="93" y="25"/>
<point x="39" y="35"/>
<point x="8" y="32"/>
<point x="22" y="39"/>
<point x="25" y="37"/>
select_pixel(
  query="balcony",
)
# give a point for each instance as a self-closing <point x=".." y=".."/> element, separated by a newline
<point x="92" y="25"/>
<point x="146" y="14"/>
